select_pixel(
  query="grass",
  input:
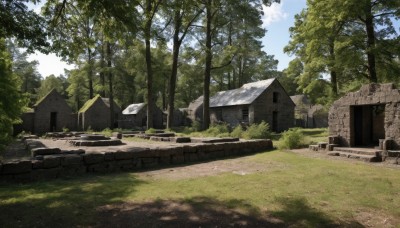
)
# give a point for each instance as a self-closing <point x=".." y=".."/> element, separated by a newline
<point x="298" y="190"/>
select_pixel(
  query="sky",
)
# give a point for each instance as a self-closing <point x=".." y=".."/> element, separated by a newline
<point x="278" y="18"/>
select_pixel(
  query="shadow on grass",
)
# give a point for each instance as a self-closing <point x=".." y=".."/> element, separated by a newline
<point x="208" y="212"/>
<point x="194" y="212"/>
<point x="315" y="132"/>
<point x="298" y="213"/>
<point x="62" y="203"/>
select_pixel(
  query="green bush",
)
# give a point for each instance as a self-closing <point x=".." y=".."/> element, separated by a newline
<point x="257" y="131"/>
<point x="217" y="129"/>
<point x="150" y="131"/>
<point x="196" y="126"/>
<point x="292" y="139"/>
<point x="237" y="131"/>
<point x="107" y="132"/>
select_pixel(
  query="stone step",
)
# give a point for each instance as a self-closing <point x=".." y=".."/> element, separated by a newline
<point x="363" y="157"/>
<point x="362" y="151"/>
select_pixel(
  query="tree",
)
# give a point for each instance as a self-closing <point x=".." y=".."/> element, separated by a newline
<point x="52" y="82"/>
<point x="11" y="99"/>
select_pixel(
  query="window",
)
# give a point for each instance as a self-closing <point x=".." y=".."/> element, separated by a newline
<point x="245" y="114"/>
<point x="275" y="97"/>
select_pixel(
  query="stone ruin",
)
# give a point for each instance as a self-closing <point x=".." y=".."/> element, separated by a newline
<point x="365" y="124"/>
<point x="50" y="163"/>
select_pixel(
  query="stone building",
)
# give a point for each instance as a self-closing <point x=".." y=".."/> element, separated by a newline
<point x="252" y="103"/>
<point x="135" y="116"/>
<point x="308" y="115"/>
<point x="95" y="114"/>
<point x="49" y="114"/>
<point x="368" y="117"/>
<point x="195" y="110"/>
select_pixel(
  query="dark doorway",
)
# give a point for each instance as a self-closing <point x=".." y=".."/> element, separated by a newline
<point x="368" y="125"/>
<point x="275" y="121"/>
<point x="53" y="121"/>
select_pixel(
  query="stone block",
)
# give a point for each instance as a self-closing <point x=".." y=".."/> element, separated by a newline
<point x="99" y="168"/>
<point x="93" y="158"/>
<point x="45" y="174"/>
<point x="109" y="156"/>
<point x="22" y="177"/>
<point x="124" y="155"/>
<point x="72" y="171"/>
<point x="17" y="167"/>
<point x="180" y="139"/>
<point x="189" y="149"/>
<point x="51" y="161"/>
<point x="127" y="165"/>
<point x="78" y="151"/>
<point x="165" y="160"/>
<point x="37" y="164"/>
<point x="177" y="159"/>
<point x="45" y="151"/>
<point x="72" y="159"/>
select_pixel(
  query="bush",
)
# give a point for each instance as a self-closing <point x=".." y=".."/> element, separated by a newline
<point x="217" y="130"/>
<point x="257" y="131"/>
<point x="150" y="131"/>
<point x="107" y="132"/>
<point x="291" y="139"/>
<point x="237" y="132"/>
<point x="196" y="126"/>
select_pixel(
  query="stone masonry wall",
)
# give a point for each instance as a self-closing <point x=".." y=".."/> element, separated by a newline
<point x="70" y="163"/>
<point x="340" y="120"/>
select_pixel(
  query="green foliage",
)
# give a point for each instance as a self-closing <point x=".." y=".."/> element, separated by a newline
<point x="257" y="131"/>
<point x="65" y="129"/>
<point x="11" y="100"/>
<point x="150" y="131"/>
<point x="216" y="130"/>
<point x="237" y="132"/>
<point x="292" y="139"/>
<point x="107" y="132"/>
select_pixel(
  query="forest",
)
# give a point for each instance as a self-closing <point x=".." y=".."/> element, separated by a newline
<point x="170" y="52"/>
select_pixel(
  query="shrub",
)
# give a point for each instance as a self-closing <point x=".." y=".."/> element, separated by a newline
<point x="291" y="139"/>
<point x="107" y="132"/>
<point x="65" y="129"/>
<point x="257" y="131"/>
<point x="196" y="126"/>
<point x="150" y="131"/>
<point x="237" y="132"/>
<point x="217" y="129"/>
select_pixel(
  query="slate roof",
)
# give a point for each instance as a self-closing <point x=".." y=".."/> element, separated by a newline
<point x="241" y="96"/>
<point x="133" y="109"/>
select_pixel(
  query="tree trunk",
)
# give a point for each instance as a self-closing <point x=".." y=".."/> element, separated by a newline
<point x="90" y="73"/>
<point x="102" y="65"/>
<point x="207" y="71"/>
<point x="110" y="84"/>
<point x="369" y="25"/>
<point x="147" y="31"/>
<point x="333" y="69"/>
<point x="174" y="71"/>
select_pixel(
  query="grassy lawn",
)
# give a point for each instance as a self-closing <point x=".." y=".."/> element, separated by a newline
<point x="293" y="189"/>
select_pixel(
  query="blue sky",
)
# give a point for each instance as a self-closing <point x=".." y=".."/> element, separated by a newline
<point x="277" y="20"/>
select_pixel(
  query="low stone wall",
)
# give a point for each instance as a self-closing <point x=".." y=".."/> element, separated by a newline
<point x="75" y="163"/>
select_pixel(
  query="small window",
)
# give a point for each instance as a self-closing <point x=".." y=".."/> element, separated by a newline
<point x="275" y="97"/>
<point x="245" y="114"/>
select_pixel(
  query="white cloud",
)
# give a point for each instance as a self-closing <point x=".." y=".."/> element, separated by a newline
<point x="273" y="13"/>
<point x="49" y="64"/>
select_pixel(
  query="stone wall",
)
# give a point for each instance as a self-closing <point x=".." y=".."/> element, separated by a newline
<point x="264" y="107"/>
<point x="341" y="113"/>
<point x="53" y="103"/>
<point x="75" y="163"/>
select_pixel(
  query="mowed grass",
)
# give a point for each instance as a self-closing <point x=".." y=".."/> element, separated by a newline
<point x="297" y="190"/>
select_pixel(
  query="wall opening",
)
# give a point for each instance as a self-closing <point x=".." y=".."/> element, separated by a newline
<point x="53" y="121"/>
<point x="367" y="125"/>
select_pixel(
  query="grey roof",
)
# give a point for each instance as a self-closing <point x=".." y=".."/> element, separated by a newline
<point x="241" y="96"/>
<point x="300" y="99"/>
<point x="133" y="109"/>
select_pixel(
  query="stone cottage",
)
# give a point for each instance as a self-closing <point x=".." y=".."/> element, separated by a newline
<point x="195" y="110"/>
<point x="309" y="115"/>
<point x="95" y="114"/>
<point x="49" y="114"/>
<point x="367" y="118"/>
<point x="135" y="116"/>
<point x="252" y="103"/>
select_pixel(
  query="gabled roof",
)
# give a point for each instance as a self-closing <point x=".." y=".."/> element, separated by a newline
<point x="51" y="93"/>
<point x="133" y="109"/>
<point x="300" y="99"/>
<point x="241" y="96"/>
<point x="89" y="103"/>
